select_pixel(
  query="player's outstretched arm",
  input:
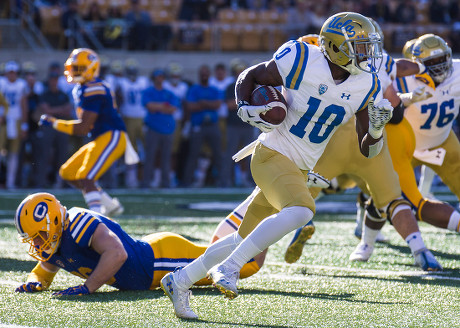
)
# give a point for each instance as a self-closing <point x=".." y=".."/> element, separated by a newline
<point x="79" y="127"/>
<point x="39" y="279"/>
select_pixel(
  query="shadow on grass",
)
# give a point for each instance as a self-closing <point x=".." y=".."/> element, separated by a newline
<point x="113" y="296"/>
<point x="7" y="264"/>
<point x="438" y="254"/>
<point x="233" y="324"/>
<point x="432" y="279"/>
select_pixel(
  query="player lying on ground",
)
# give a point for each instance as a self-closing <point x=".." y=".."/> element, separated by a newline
<point x="93" y="247"/>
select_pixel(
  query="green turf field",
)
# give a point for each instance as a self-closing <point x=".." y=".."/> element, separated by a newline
<point x="322" y="290"/>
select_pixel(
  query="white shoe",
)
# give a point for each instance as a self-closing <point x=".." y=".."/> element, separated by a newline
<point x="179" y="297"/>
<point x="381" y="238"/>
<point x="362" y="252"/>
<point x="225" y="279"/>
<point x="115" y="208"/>
<point x="426" y="260"/>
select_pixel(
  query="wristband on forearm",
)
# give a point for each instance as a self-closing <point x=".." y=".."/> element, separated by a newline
<point x="63" y="126"/>
<point x="40" y="274"/>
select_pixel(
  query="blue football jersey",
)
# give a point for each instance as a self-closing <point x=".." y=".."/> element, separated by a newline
<point x="95" y="96"/>
<point x="77" y="257"/>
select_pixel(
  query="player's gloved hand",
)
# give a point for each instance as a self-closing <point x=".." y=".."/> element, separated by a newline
<point x="73" y="291"/>
<point x="418" y="94"/>
<point x="379" y="115"/>
<point x="30" y="287"/>
<point x="250" y="115"/>
<point x="317" y="180"/>
<point x="46" y="120"/>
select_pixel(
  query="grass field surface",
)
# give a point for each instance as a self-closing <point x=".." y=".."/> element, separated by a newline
<point x="323" y="289"/>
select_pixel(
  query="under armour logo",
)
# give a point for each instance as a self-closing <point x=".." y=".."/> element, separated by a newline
<point x="345" y="95"/>
<point x="171" y="290"/>
<point x="438" y="154"/>
<point x="445" y="92"/>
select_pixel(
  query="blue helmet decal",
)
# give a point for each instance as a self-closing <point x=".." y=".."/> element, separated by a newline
<point x="40" y="211"/>
<point x="335" y="26"/>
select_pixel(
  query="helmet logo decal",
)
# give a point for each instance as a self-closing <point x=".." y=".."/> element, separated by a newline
<point x="40" y="211"/>
<point x="322" y="89"/>
<point x="336" y="26"/>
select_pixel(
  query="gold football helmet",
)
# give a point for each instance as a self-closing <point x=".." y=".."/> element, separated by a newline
<point x="433" y="52"/>
<point x="82" y="66"/>
<point x="407" y="49"/>
<point x="39" y="221"/>
<point x="350" y="41"/>
<point x="310" y="39"/>
<point x="378" y="29"/>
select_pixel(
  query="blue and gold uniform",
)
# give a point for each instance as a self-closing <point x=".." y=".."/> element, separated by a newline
<point x="108" y="133"/>
<point x="149" y="259"/>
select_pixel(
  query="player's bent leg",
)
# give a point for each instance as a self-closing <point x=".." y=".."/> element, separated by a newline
<point x="405" y="224"/>
<point x="439" y="214"/>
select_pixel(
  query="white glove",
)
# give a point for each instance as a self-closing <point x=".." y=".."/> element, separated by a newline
<point x="317" y="180"/>
<point x="250" y="114"/>
<point x="379" y="115"/>
<point x="418" y="94"/>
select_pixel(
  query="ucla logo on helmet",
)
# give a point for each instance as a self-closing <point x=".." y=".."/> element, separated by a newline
<point x="40" y="211"/>
<point x="91" y="57"/>
<point x="336" y="25"/>
<point x="417" y="51"/>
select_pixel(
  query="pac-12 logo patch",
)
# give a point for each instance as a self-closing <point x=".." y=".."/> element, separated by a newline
<point x="40" y="211"/>
<point x="322" y="89"/>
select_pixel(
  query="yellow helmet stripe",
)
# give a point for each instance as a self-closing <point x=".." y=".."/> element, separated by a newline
<point x="298" y="68"/>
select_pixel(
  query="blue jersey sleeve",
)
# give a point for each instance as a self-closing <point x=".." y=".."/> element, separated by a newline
<point x="93" y="98"/>
<point x="82" y="228"/>
<point x="192" y="94"/>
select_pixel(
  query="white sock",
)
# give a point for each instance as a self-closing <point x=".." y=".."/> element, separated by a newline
<point x="106" y="200"/>
<point x="369" y="235"/>
<point x="215" y="253"/>
<point x="93" y="200"/>
<point x="415" y="242"/>
<point x="269" y="231"/>
<point x="454" y="222"/>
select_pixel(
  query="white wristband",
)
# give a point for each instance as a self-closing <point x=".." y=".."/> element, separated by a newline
<point x="421" y="67"/>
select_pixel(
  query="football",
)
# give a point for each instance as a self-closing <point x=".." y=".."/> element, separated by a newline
<point x="266" y="94"/>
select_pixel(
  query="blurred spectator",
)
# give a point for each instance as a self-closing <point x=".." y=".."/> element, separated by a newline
<point x="115" y="28"/>
<point x="221" y="80"/>
<point x="139" y="27"/>
<point x="29" y="150"/>
<point x="380" y="11"/>
<point x="179" y="88"/>
<point x="161" y="105"/>
<point x="299" y="19"/>
<point x="54" y="145"/>
<point x="70" y="21"/>
<point x="129" y="90"/>
<point x="239" y="134"/>
<point x="195" y="10"/>
<point x="14" y="89"/>
<point x="66" y="87"/>
<point x="203" y="103"/>
<point x="405" y="12"/>
<point x="439" y="11"/>
<point x="94" y="13"/>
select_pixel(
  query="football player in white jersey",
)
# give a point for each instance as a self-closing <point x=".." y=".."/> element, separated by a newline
<point x="13" y="89"/>
<point x="132" y="111"/>
<point x="323" y="88"/>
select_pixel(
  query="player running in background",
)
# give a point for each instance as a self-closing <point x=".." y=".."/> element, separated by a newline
<point x="313" y="84"/>
<point x="97" y="116"/>
<point x="94" y="247"/>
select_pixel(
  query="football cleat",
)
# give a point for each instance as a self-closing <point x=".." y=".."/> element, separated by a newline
<point x="115" y="208"/>
<point x="426" y="260"/>
<point x="295" y="248"/>
<point x="179" y="297"/>
<point x="362" y="252"/>
<point x="224" y="279"/>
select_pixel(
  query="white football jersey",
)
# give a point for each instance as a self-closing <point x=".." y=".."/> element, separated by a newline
<point x="13" y="93"/>
<point x="316" y="104"/>
<point x="132" y="97"/>
<point x="387" y="72"/>
<point x="180" y="91"/>
<point x="432" y="119"/>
